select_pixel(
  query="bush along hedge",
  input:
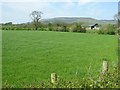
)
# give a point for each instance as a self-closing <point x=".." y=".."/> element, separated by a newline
<point x="109" y="29"/>
<point x="103" y="80"/>
<point x="106" y="80"/>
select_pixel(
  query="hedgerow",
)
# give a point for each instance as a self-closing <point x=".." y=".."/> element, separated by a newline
<point x="108" y="80"/>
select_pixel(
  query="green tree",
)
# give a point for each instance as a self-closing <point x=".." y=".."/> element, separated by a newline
<point x="50" y="26"/>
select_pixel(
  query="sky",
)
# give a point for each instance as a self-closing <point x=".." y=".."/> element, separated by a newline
<point x="18" y="11"/>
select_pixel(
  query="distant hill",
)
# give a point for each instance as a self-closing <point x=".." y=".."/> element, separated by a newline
<point x="85" y="20"/>
<point x="109" y="21"/>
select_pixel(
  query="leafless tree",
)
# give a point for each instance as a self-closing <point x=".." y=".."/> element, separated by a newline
<point x="117" y="18"/>
<point x="36" y="16"/>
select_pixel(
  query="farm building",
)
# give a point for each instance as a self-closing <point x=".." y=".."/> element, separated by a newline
<point x="93" y="27"/>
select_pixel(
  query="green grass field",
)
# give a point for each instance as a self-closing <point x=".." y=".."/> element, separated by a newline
<point x="31" y="56"/>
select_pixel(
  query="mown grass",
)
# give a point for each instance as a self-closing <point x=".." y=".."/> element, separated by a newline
<point x="31" y="56"/>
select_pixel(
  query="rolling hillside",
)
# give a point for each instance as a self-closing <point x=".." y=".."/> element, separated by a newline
<point x="85" y="20"/>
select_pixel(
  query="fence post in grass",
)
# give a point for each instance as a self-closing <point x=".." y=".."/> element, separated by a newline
<point x="105" y="67"/>
<point x="53" y="78"/>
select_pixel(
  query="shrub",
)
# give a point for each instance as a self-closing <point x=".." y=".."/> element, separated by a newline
<point x="76" y="28"/>
<point x="118" y="31"/>
<point x="109" y="29"/>
<point x="50" y="26"/>
<point x="29" y="29"/>
<point x="42" y="29"/>
<point x="22" y="29"/>
<point x="102" y="31"/>
<point x="12" y="28"/>
<point x="18" y="28"/>
<point x="7" y="29"/>
<point x="50" y="29"/>
<point x="54" y="28"/>
<point x="61" y="28"/>
<point x="82" y="30"/>
<point x="109" y="80"/>
<point x="73" y="28"/>
<point x="3" y="28"/>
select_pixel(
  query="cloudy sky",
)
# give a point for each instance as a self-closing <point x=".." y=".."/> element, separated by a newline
<point x="18" y="11"/>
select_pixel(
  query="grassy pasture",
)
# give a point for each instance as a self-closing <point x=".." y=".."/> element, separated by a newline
<point x="31" y="56"/>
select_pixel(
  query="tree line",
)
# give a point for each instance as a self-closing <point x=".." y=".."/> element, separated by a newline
<point x="36" y="24"/>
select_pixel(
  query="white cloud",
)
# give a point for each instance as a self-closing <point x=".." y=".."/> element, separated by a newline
<point x="19" y="11"/>
<point x="38" y="0"/>
<point x="85" y="1"/>
<point x="0" y="12"/>
<point x="28" y="5"/>
<point x="81" y="1"/>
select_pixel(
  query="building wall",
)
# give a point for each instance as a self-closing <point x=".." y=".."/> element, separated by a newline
<point x="96" y="28"/>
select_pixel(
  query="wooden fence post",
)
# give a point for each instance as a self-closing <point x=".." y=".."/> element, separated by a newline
<point x="105" y="67"/>
<point x="53" y="78"/>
